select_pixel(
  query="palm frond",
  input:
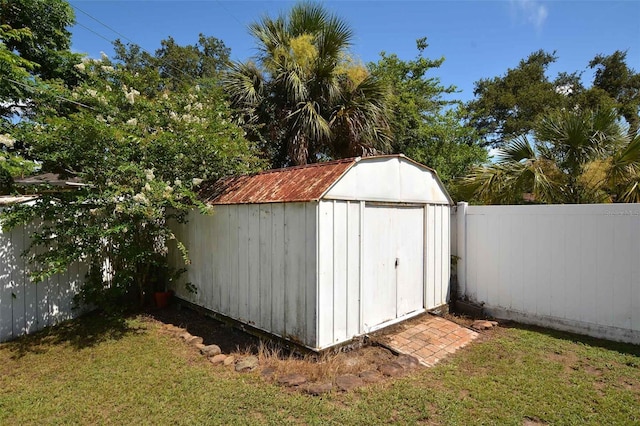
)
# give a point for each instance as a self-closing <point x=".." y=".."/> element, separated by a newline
<point x="627" y="157"/>
<point x="244" y="84"/>
<point x="307" y="120"/>
<point x="271" y="34"/>
<point x="295" y="85"/>
<point x="630" y="191"/>
<point x="359" y="122"/>
<point x="517" y="150"/>
<point x="307" y="18"/>
<point x="334" y="39"/>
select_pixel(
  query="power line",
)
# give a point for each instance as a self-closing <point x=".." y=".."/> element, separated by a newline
<point x="104" y="25"/>
<point x="34" y="90"/>
<point x="229" y="12"/>
<point x="95" y="32"/>
<point x="130" y="41"/>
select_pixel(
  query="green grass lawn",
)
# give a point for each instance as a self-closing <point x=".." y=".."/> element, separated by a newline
<point x="128" y="372"/>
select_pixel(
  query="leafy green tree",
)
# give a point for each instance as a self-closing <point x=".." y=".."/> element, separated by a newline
<point x="178" y="66"/>
<point x="620" y="84"/>
<point x="181" y="64"/>
<point x="576" y="157"/>
<point x="305" y="98"/>
<point x="508" y="106"/>
<point x="141" y="155"/>
<point x="14" y="70"/>
<point x="47" y="22"/>
<point x="34" y="55"/>
<point x="424" y="125"/>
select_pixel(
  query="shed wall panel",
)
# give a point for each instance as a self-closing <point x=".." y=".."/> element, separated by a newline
<point x="353" y="269"/>
<point x="243" y="262"/>
<point x="295" y="276"/>
<point x="265" y="257"/>
<point x="340" y="271"/>
<point x="436" y="254"/>
<point x="312" y="279"/>
<point x="243" y="268"/>
<point x="430" y="258"/>
<point x="278" y="270"/>
<point x="217" y="271"/>
<point x="326" y="279"/>
<point x="342" y="304"/>
<point x="254" y="264"/>
<point x="176" y="260"/>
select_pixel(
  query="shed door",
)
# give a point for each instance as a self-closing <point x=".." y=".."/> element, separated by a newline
<point x="393" y="249"/>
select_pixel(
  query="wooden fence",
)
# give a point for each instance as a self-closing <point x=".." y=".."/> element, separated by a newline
<point x="570" y="267"/>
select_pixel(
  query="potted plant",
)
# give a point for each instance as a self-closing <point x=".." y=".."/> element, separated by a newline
<point x="163" y="292"/>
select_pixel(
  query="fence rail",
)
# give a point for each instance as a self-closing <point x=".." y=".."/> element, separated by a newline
<point x="571" y="267"/>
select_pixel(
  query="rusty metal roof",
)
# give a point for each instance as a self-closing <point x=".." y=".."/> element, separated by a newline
<point x="291" y="184"/>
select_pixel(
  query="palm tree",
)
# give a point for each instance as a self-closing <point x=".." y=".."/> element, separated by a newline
<point x="623" y="174"/>
<point x="300" y="91"/>
<point x="577" y="157"/>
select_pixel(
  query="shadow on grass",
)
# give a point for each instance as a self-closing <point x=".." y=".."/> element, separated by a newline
<point x="86" y="331"/>
<point x="623" y="348"/>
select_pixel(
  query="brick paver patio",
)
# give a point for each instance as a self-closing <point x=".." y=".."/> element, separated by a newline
<point x="429" y="338"/>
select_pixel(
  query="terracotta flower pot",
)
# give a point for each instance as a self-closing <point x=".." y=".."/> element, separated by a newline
<point x="162" y="298"/>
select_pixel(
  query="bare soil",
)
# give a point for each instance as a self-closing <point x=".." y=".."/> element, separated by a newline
<point x="229" y="339"/>
<point x="277" y="361"/>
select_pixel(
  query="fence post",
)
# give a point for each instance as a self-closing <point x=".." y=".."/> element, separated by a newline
<point x="461" y="236"/>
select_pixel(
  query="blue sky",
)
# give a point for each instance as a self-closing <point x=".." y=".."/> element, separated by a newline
<point x="478" y="39"/>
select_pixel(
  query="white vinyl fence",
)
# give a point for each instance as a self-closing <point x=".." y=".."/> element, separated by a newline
<point x="570" y="267"/>
<point x="26" y="307"/>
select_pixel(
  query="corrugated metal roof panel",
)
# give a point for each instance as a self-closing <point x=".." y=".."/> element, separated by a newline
<point x="292" y="184"/>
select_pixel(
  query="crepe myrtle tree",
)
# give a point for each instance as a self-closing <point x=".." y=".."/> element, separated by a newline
<point x="141" y="155"/>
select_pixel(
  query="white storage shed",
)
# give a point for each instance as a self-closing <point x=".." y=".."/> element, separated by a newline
<point x="323" y="253"/>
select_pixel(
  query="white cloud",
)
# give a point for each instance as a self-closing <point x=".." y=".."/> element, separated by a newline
<point x="531" y="11"/>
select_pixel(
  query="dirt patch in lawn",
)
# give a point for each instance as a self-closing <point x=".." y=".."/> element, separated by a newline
<point x="342" y="370"/>
<point x="212" y="331"/>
